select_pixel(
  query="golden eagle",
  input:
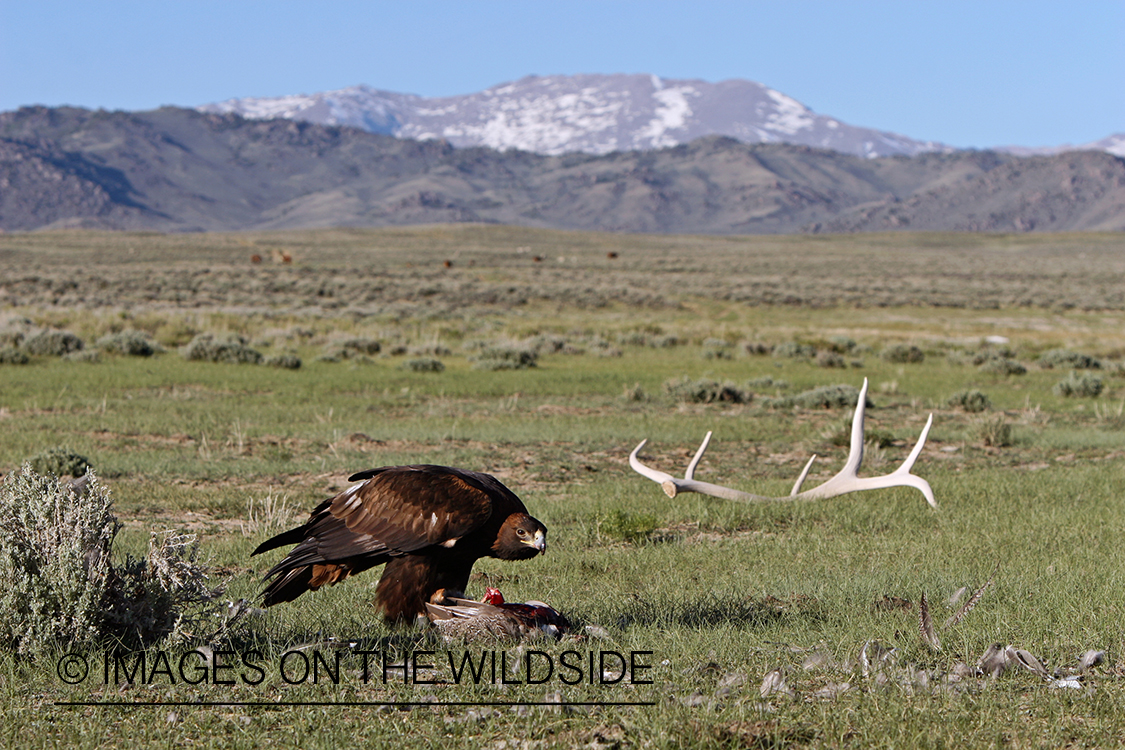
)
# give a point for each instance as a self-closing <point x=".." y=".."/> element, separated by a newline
<point x="429" y="524"/>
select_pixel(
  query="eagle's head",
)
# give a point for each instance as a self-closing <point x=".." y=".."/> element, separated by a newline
<point x="520" y="537"/>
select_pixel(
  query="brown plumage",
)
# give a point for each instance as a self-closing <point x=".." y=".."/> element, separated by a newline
<point x="429" y="524"/>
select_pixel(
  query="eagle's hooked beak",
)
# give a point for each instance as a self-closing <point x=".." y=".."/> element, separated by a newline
<point x="539" y="542"/>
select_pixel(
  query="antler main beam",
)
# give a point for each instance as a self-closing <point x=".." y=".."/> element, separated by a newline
<point x="845" y="481"/>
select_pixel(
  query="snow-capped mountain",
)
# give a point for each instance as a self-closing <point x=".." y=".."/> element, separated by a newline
<point x="175" y="170"/>
<point x="588" y="113"/>
<point x="1114" y="144"/>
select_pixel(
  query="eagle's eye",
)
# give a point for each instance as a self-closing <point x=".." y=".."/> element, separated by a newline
<point x="521" y="532"/>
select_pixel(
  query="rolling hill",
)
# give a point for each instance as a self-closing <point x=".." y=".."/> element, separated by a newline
<point x="177" y="169"/>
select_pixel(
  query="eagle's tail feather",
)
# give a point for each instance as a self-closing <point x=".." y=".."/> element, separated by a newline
<point x="293" y="536"/>
<point x="288" y="586"/>
<point x="293" y="580"/>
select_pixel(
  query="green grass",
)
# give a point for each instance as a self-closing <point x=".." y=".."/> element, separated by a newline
<point x="723" y="591"/>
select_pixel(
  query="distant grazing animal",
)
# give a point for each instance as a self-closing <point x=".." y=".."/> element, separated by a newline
<point x="429" y="524"/>
<point x="255" y="258"/>
<point x="493" y="618"/>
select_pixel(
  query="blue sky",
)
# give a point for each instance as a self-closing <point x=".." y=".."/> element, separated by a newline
<point x="971" y="74"/>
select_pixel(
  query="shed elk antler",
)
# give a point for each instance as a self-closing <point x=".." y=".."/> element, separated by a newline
<point x="845" y="481"/>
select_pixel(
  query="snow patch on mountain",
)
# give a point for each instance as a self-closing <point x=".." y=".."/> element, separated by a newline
<point x="789" y="115"/>
<point x="356" y="106"/>
<point x="1114" y="144"/>
<point x="598" y="114"/>
<point x="671" y="113"/>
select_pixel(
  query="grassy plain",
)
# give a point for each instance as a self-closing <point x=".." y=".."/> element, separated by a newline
<point x="720" y="592"/>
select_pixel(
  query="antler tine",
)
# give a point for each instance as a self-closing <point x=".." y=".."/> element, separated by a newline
<point x="843" y="482"/>
<point x="848" y="479"/>
<point x="855" y="446"/>
<point x="855" y="443"/>
<point x="672" y="486"/>
<point x="690" y="473"/>
<point x="657" y="476"/>
<point x="801" y="479"/>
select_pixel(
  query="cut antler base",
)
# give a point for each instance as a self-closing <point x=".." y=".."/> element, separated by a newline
<point x="845" y="481"/>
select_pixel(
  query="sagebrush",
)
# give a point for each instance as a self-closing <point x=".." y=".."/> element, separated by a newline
<point x="55" y="567"/>
<point x="59" y="586"/>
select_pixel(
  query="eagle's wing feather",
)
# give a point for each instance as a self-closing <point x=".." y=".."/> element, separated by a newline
<point x="394" y="511"/>
<point x="406" y="510"/>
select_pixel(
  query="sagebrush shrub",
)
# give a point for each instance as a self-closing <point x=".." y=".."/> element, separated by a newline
<point x="756" y="348"/>
<point x="989" y="353"/>
<point x="90" y="356"/>
<point x="829" y="358"/>
<point x="52" y="343"/>
<point x="793" y="350"/>
<point x="633" y="338"/>
<point x="972" y="401"/>
<point x="665" y="341"/>
<point x="9" y="338"/>
<point x="721" y="352"/>
<point x="1066" y="358"/>
<point x="1001" y="366"/>
<point x="1079" y="385"/>
<point x="424" y="364"/>
<point x="130" y="343"/>
<point x="903" y="354"/>
<point x="766" y="381"/>
<point x="357" y="349"/>
<point x="605" y="349"/>
<point x="360" y="345"/>
<point x="9" y="355"/>
<point x="841" y="344"/>
<point x="505" y="357"/>
<point x="841" y="435"/>
<point x="830" y="397"/>
<point x="160" y="596"/>
<point x="546" y="343"/>
<point x="286" y="361"/>
<point x="59" y="462"/>
<point x="58" y="584"/>
<point x="706" y="391"/>
<point x="634" y="393"/>
<point x="430" y="350"/>
<point x="995" y="432"/>
<point x="55" y="565"/>
<point x="231" y="349"/>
